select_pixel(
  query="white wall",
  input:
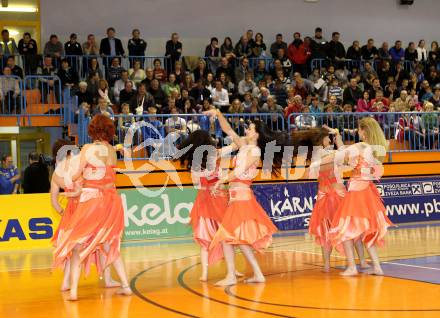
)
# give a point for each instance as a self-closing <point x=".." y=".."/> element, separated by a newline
<point x="198" y="20"/>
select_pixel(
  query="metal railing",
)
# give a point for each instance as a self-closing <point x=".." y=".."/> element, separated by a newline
<point x="11" y="95"/>
<point x="360" y="64"/>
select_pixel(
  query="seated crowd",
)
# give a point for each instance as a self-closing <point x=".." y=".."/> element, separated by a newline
<point x="248" y="77"/>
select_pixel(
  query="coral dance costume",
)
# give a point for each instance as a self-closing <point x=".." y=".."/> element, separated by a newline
<point x="98" y="219"/>
<point x="330" y="195"/>
<point x="207" y="213"/>
<point x="361" y="215"/>
<point x="245" y="221"/>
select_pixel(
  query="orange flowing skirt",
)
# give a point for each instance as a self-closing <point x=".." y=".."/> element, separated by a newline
<point x="98" y="219"/>
<point x="361" y="215"/>
<point x="71" y="206"/>
<point x="322" y="215"/>
<point x="206" y="215"/>
<point x="245" y="222"/>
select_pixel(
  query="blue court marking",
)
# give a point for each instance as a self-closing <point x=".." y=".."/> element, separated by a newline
<point x="423" y="269"/>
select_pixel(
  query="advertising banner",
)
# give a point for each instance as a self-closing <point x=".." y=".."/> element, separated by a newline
<point x="289" y="205"/>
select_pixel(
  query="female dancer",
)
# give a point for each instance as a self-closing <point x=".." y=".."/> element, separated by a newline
<point x="361" y="214"/>
<point x="97" y="224"/>
<point x="245" y="223"/>
<point x="64" y="170"/>
<point x="331" y="189"/>
<point x="207" y="212"/>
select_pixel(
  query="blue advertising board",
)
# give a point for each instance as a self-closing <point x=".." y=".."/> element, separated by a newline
<point x="289" y="205"/>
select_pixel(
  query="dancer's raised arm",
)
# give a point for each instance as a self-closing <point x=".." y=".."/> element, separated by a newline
<point x="227" y="129"/>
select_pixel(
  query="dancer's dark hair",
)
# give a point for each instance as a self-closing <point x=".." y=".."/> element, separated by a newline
<point x="194" y="140"/>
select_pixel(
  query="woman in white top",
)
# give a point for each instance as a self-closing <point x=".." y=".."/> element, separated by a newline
<point x="422" y="54"/>
<point x="136" y="74"/>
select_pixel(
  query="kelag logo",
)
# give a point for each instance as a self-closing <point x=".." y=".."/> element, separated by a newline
<point x="34" y="229"/>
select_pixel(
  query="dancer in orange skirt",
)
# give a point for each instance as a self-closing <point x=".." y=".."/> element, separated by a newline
<point x="245" y="223"/>
<point x="361" y="214"/>
<point x="96" y="226"/>
<point x="208" y="210"/>
<point x="331" y="189"/>
<point x="66" y="166"/>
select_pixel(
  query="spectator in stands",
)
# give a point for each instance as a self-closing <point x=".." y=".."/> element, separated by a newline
<point x="423" y="88"/>
<point x="293" y="107"/>
<point x="384" y="73"/>
<point x="285" y="62"/>
<point x="103" y="91"/>
<point x="411" y="52"/>
<point x="271" y="106"/>
<point x="54" y="48"/>
<point x="93" y="67"/>
<point x="36" y="175"/>
<point x="103" y="108"/>
<point x="354" y="52"/>
<point x="73" y="48"/>
<point x="210" y="81"/>
<point x="114" y="71"/>
<point x="171" y="85"/>
<point x="110" y="47"/>
<point x="333" y="103"/>
<point x="434" y="54"/>
<point x="401" y="103"/>
<point x="246" y="85"/>
<point x="433" y="77"/>
<point x="226" y="68"/>
<point x="136" y="47"/>
<point x="158" y="94"/>
<point x="15" y="69"/>
<point x="260" y="71"/>
<point x="136" y="74"/>
<point x="247" y="100"/>
<point x="435" y="99"/>
<point x="243" y="49"/>
<point x="277" y="45"/>
<point x="199" y="93"/>
<point x="179" y="72"/>
<point x="27" y="47"/>
<point x="9" y="93"/>
<point x="375" y="87"/>
<point x="391" y="91"/>
<point x="68" y="76"/>
<point x="430" y="126"/>
<point x="125" y="121"/>
<point x="93" y="86"/>
<point x="336" y="51"/>
<point x="277" y="89"/>
<point x="175" y="125"/>
<point x="220" y="96"/>
<point x="352" y="93"/>
<point x="173" y="51"/>
<point x="318" y="45"/>
<point x="369" y="51"/>
<point x="381" y="99"/>
<point x="85" y="108"/>
<point x="314" y="107"/>
<point x="48" y="83"/>
<point x="90" y="47"/>
<point x="264" y="94"/>
<point x="335" y="90"/>
<point x="422" y="54"/>
<point x="212" y="53"/>
<point x="159" y="73"/>
<point x="84" y="96"/>
<point x="397" y="52"/>
<point x="120" y="85"/>
<point x="227" y="49"/>
<point x="149" y="76"/>
<point x="228" y="85"/>
<point x="201" y="71"/>
<point x="9" y="176"/>
<point x="254" y="108"/>
<point x="127" y="94"/>
<point x="235" y="107"/>
<point x="7" y="45"/>
<point x="305" y="120"/>
<point x="258" y="46"/>
<point x="140" y="102"/>
<point x="187" y="83"/>
<point x="384" y="52"/>
<point x="189" y="107"/>
<point x="368" y="71"/>
<point x="298" y="54"/>
<point x="363" y="104"/>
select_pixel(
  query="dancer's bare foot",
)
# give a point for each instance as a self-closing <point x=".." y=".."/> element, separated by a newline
<point x="228" y="281"/>
<point x="124" y="290"/>
<point x="364" y="265"/>
<point x="238" y="274"/>
<point x="112" y="284"/>
<point x="65" y="287"/>
<point x="326" y="268"/>
<point x="255" y="279"/>
<point x="204" y="277"/>
<point x="375" y="271"/>
<point x="73" y="296"/>
<point x="350" y="271"/>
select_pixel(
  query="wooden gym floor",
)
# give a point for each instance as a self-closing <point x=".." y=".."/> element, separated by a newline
<point x="165" y="276"/>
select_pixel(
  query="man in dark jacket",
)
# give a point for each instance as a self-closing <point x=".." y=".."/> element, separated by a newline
<point x="336" y="51"/>
<point x="136" y="47"/>
<point x="173" y="51"/>
<point x="352" y="93"/>
<point x="278" y="44"/>
<point x="36" y="175"/>
<point x="73" y="49"/>
<point x="110" y="46"/>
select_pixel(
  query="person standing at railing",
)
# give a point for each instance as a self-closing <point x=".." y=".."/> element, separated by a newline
<point x="411" y="54"/>
<point x="110" y="47"/>
<point x="27" y="47"/>
<point x="90" y="51"/>
<point x="73" y="49"/>
<point x="243" y="49"/>
<point x="258" y="46"/>
<point x="397" y="52"/>
<point x="173" y="52"/>
<point x="336" y="51"/>
<point x="9" y="93"/>
<point x="298" y="53"/>
<point x="354" y="52"/>
<point x="136" y="48"/>
<point x="15" y="69"/>
<point x="369" y="51"/>
<point x="54" y="48"/>
<point x="434" y="54"/>
<point x="278" y="44"/>
<point x="384" y="53"/>
<point x="7" y="46"/>
<point x="422" y="54"/>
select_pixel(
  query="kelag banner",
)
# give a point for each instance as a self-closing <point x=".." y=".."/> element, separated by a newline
<point x="163" y="216"/>
<point x="407" y="200"/>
